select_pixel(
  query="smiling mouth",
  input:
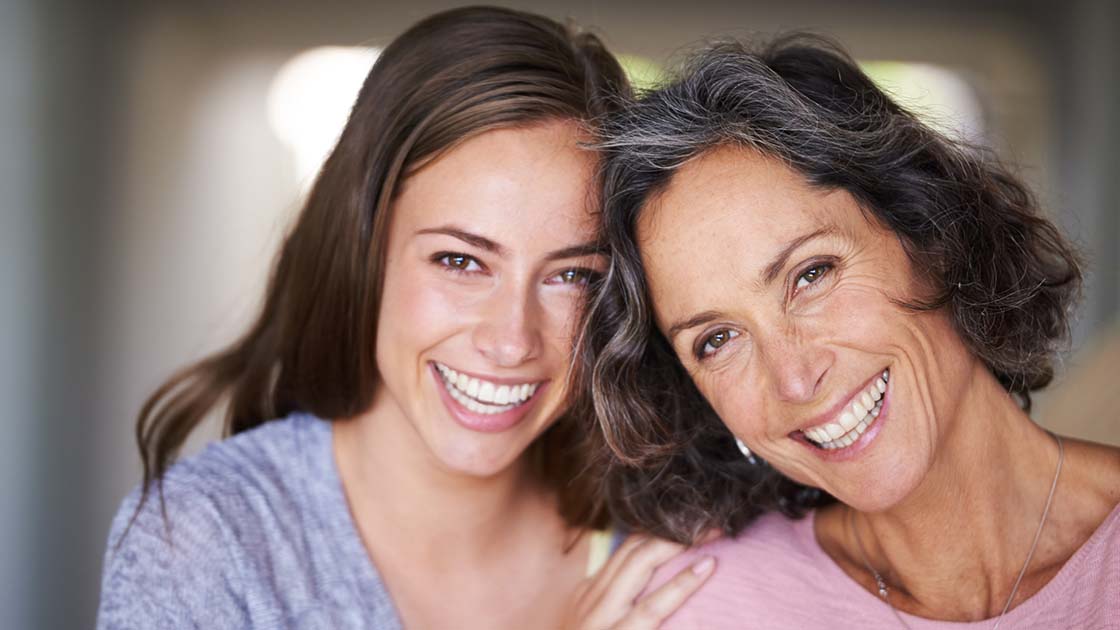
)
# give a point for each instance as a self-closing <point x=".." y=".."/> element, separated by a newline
<point x="856" y="419"/>
<point x="484" y="397"/>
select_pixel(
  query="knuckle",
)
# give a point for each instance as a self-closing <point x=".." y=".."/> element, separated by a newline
<point x="645" y="618"/>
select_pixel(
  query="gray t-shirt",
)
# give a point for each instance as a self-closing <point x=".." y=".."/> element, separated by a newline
<point x="259" y="535"/>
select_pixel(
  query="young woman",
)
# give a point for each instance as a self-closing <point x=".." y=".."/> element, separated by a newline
<point x="401" y="452"/>
<point x="819" y="307"/>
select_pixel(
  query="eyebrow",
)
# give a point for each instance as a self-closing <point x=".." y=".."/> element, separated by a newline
<point x="576" y="251"/>
<point x="696" y="320"/>
<point x="478" y="241"/>
<point x="768" y="275"/>
<point x="481" y="242"/>
<point x="771" y="271"/>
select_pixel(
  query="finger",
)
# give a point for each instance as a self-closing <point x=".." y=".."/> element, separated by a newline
<point x="612" y="595"/>
<point x="615" y="563"/>
<point x="592" y="588"/>
<point x="659" y="605"/>
<point x="634" y="574"/>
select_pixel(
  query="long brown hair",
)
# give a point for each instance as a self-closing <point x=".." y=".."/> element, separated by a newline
<point x="312" y="348"/>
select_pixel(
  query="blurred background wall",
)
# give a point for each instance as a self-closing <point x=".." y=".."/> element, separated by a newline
<point x="146" y="185"/>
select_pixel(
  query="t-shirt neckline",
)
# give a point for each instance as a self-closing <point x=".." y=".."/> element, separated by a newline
<point x="806" y="530"/>
<point x="352" y="553"/>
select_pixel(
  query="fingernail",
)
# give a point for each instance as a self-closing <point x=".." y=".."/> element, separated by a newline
<point x="704" y="566"/>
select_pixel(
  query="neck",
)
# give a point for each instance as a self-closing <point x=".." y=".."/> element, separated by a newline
<point x="407" y="503"/>
<point x="940" y="549"/>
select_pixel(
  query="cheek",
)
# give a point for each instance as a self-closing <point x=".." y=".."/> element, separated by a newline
<point x="930" y="359"/>
<point x="858" y="315"/>
<point x="741" y="408"/>
<point x="863" y="313"/>
<point x="417" y="308"/>
<point x="561" y="310"/>
<point x="942" y="364"/>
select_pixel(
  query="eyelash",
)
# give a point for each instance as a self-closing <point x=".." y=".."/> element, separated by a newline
<point x="443" y="259"/>
<point x="581" y="276"/>
<point x="586" y="276"/>
<point x="702" y="348"/>
<point x="822" y="269"/>
<point x="817" y="269"/>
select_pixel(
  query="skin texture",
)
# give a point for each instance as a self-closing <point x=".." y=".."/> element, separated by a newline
<point x="461" y="532"/>
<point x="789" y="352"/>
<point x="502" y="315"/>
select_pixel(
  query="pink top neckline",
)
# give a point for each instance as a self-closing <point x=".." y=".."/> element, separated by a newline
<point x="805" y="530"/>
<point x="775" y="575"/>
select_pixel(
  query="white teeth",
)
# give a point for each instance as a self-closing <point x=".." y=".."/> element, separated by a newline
<point x="486" y="392"/>
<point x="853" y="422"/>
<point x="859" y="410"/>
<point x="481" y="396"/>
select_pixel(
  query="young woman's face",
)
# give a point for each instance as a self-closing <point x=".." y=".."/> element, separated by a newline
<point x="780" y="301"/>
<point x="489" y="251"/>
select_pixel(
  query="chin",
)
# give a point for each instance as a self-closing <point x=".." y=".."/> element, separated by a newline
<point x="479" y="456"/>
<point x="889" y="486"/>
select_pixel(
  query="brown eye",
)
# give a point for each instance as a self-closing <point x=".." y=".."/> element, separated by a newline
<point x="573" y="276"/>
<point x="812" y="274"/>
<point x="459" y="262"/>
<point x="714" y="341"/>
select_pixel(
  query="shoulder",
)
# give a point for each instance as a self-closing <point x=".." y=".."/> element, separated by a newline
<point x="253" y="471"/>
<point x="773" y="562"/>
<point x="190" y="543"/>
<point x="1096" y="564"/>
<point x="264" y="455"/>
<point x="769" y="540"/>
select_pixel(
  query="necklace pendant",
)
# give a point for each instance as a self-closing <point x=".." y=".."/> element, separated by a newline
<point x="882" y="587"/>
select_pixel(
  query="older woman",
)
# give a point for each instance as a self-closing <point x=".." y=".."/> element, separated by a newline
<point x="818" y="307"/>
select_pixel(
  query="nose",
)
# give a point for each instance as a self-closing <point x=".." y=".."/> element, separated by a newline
<point x="798" y="367"/>
<point x="509" y="333"/>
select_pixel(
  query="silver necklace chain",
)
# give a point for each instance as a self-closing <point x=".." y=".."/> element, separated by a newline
<point x="881" y="584"/>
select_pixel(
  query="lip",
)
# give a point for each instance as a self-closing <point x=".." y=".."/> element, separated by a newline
<point x="486" y="423"/>
<point x="485" y="377"/>
<point x="855" y="448"/>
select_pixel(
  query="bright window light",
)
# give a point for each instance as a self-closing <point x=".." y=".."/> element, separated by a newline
<point x="940" y="97"/>
<point x="644" y="74"/>
<point x="310" y="100"/>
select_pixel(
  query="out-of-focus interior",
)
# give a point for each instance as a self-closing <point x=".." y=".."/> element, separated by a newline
<point x="154" y="153"/>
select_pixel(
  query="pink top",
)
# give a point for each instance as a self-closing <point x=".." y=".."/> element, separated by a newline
<point x="775" y="575"/>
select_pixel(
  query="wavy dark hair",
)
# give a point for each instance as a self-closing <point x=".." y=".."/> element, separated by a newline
<point x="451" y="76"/>
<point x="1002" y="272"/>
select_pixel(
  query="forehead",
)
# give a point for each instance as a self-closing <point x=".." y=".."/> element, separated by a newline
<point x="507" y="184"/>
<point x="723" y="216"/>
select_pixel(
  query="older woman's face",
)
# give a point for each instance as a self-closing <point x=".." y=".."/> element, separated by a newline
<point x="779" y="299"/>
